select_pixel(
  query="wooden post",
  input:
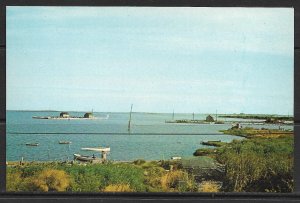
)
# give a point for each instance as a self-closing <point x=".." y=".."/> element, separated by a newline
<point x="22" y="161"/>
<point x="103" y="156"/>
<point x="129" y="122"/>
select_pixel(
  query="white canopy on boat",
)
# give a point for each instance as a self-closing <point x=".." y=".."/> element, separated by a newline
<point x="101" y="149"/>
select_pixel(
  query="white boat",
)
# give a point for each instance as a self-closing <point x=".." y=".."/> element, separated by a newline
<point x="100" y="149"/>
<point x="103" y="150"/>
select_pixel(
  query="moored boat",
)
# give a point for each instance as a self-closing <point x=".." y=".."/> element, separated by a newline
<point x="84" y="158"/>
<point x="32" y="144"/>
<point x="176" y="158"/>
<point x="64" y="142"/>
<point x="93" y="159"/>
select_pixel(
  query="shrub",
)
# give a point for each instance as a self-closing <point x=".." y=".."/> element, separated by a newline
<point x="16" y="182"/>
<point x="152" y="178"/>
<point x="52" y="180"/>
<point x="13" y="181"/>
<point x="259" y="165"/>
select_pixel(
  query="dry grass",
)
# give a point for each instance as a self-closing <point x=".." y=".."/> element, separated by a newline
<point x="118" y="188"/>
<point x="175" y="181"/>
<point x="209" y="186"/>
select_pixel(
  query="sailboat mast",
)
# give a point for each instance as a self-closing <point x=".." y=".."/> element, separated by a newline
<point x="130" y="117"/>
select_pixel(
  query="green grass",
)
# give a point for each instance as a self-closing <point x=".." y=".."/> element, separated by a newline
<point x="139" y="176"/>
<point x="251" y="132"/>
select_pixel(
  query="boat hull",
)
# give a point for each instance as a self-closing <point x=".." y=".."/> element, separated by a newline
<point x="82" y="158"/>
<point x="32" y="144"/>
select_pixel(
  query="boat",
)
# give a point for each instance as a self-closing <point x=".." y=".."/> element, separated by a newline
<point x="32" y="144"/>
<point x="176" y="158"/>
<point x="202" y="142"/>
<point x="100" y="149"/>
<point x="84" y="158"/>
<point x="65" y="142"/>
<point x="93" y="159"/>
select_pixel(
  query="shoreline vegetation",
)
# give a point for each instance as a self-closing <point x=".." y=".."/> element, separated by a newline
<point x="257" y="116"/>
<point x="262" y="162"/>
<point x="245" y="118"/>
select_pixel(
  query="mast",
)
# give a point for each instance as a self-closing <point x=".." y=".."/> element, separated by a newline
<point x="193" y="116"/>
<point x="216" y="115"/>
<point x="130" y="117"/>
<point x="173" y="115"/>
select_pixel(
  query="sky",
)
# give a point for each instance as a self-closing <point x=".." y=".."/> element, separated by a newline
<point x="233" y="60"/>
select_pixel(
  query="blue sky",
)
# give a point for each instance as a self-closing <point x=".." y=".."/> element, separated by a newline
<point x="158" y="59"/>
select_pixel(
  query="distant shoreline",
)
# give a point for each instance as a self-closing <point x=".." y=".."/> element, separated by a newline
<point x="232" y="115"/>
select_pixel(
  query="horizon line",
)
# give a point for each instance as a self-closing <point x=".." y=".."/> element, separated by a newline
<point x="241" y="113"/>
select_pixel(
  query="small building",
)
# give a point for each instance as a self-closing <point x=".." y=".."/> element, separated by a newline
<point x="64" y="115"/>
<point x="88" y="115"/>
<point x="209" y="118"/>
<point x="236" y="126"/>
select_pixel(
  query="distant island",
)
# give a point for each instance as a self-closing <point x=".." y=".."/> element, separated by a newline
<point x="66" y="115"/>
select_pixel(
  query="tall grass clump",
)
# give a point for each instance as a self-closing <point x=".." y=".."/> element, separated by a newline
<point x="259" y="165"/>
<point x="209" y="186"/>
<point x="177" y="181"/>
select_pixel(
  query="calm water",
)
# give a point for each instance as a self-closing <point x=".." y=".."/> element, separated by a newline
<point x="151" y="138"/>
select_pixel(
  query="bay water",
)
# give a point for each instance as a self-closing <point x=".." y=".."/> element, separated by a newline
<point x="150" y="137"/>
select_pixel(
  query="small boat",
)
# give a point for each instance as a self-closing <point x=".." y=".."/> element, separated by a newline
<point x="93" y="159"/>
<point x="65" y="142"/>
<point x="84" y="158"/>
<point x="32" y="144"/>
<point x="210" y="141"/>
<point x="176" y="158"/>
